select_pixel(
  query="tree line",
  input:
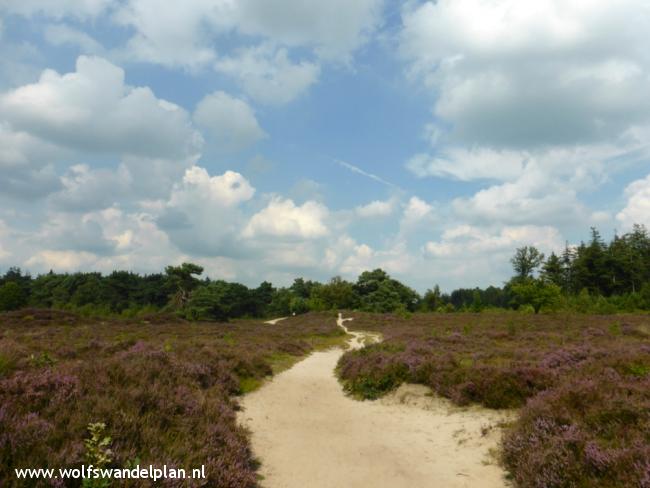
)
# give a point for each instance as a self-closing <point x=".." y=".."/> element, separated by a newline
<point x="592" y="277"/>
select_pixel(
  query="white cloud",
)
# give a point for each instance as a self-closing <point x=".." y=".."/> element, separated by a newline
<point x="62" y="260"/>
<point x="174" y="33"/>
<point x="376" y="208"/>
<point x="547" y="189"/>
<point x="202" y="216"/>
<point x="76" y="233"/>
<point x="513" y="73"/>
<point x="25" y="164"/>
<point x="268" y="75"/>
<point x="103" y="240"/>
<point x="358" y="260"/>
<point x="86" y="188"/>
<point x="546" y="98"/>
<point x="230" y="123"/>
<point x="469" y="242"/>
<point x="415" y="210"/>
<point x="61" y="34"/>
<point x="92" y="109"/>
<point x="227" y="190"/>
<point x="470" y="164"/>
<point x="283" y="218"/>
<point x="4" y="234"/>
<point x="469" y="256"/>
<point x="637" y="209"/>
<point x="80" y="9"/>
<point x="185" y="33"/>
<point x="306" y="189"/>
<point x="334" y="28"/>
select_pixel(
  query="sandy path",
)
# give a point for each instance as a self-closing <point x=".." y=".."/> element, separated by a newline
<point x="275" y="321"/>
<point x="308" y="434"/>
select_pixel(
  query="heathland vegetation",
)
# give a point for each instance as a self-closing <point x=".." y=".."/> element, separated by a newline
<point x="158" y="390"/>
<point x="581" y="382"/>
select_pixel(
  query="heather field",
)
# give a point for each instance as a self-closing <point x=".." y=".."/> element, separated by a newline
<point x="581" y="382"/>
<point x="165" y="389"/>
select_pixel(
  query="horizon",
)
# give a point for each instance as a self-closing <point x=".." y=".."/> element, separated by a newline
<point x="267" y="143"/>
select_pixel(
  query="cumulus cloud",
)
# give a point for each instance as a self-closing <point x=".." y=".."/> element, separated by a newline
<point x="62" y="260"/>
<point x="229" y="123"/>
<point x="358" y="260"/>
<point x="546" y="190"/>
<point x="227" y="190"/>
<point x="4" y="233"/>
<point x="184" y="33"/>
<point x="268" y="75"/>
<point x="283" y="218"/>
<point x="85" y="188"/>
<point x="174" y="33"/>
<point x="637" y="209"/>
<point x="468" y="255"/>
<point x="469" y="241"/>
<point x="93" y="109"/>
<point x="415" y="211"/>
<point x="545" y="98"/>
<point x="62" y="34"/>
<point x="202" y="215"/>
<point x="24" y="163"/>
<point x="376" y="208"/>
<point x="80" y="9"/>
<point x="65" y="232"/>
<point x="470" y="164"/>
<point x="522" y="74"/>
<point x="335" y="28"/>
<point x="102" y="240"/>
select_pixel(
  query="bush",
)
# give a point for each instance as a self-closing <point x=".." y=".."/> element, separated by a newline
<point x="12" y="297"/>
<point x="587" y="432"/>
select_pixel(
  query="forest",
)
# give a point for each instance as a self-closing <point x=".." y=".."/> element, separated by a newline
<point x="593" y="277"/>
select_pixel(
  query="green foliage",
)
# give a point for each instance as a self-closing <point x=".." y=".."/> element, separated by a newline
<point x="181" y="281"/>
<point x="209" y="302"/>
<point x="6" y="365"/>
<point x="526" y="260"/>
<point x="338" y="294"/>
<point x="12" y="297"/>
<point x="98" y="454"/>
<point x="552" y="270"/>
<point x="41" y="360"/>
<point x="378" y="292"/>
<point x="431" y="300"/>
<point x="536" y="293"/>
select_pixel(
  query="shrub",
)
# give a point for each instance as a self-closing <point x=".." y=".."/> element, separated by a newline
<point x="583" y="433"/>
<point x="12" y="297"/>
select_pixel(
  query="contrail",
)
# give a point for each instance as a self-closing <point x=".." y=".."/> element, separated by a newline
<point x="356" y="169"/>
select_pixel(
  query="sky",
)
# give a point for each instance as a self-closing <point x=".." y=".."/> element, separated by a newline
<point x="271" y="139"/>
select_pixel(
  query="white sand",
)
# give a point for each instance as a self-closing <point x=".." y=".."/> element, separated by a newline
<point x="307" y="433"/>
<point x="275" y="321"/>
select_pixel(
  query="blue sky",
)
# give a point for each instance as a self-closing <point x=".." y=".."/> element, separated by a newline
<point x="274" y="139"/>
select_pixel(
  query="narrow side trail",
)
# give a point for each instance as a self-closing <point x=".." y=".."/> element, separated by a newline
<point x="275" y="321"/>
<point x="308" y="434"/>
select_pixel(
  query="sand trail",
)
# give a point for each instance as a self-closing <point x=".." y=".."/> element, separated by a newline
<point x="307" y="433"/>
<point x="275" y="321"/>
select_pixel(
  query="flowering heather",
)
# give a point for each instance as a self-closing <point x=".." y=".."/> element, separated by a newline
<point x="582" y="383"/>
<point x="166" y="389"/>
